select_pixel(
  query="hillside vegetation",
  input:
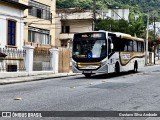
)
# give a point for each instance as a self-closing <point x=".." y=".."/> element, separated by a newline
<point x="142" y="6"/>
<point x="135" y="27"/>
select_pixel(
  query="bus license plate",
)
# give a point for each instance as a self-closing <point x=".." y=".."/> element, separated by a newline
<point x="87" y="71"/>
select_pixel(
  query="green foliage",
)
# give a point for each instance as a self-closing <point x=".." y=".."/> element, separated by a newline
<point x="135" y="28"/>
<point x="85" y="4"/>
<point x="142" y="6"/>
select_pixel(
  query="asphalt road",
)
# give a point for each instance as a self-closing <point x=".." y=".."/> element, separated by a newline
<point x="125" y="92"/>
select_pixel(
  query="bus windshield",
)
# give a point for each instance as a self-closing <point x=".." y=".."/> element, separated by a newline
<point x="89" y="48"/>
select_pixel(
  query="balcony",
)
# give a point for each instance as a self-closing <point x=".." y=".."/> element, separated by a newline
<point x="76" y="16"/>
<point x="64" y="36"/>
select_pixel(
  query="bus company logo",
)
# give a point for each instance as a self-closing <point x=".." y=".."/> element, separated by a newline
<point x="125" y="56"/>
<point x="6" y="114"/>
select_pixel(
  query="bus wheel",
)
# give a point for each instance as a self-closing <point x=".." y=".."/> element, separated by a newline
<point x="117" y="68"/>
<point x="135" y="66"/>
<point x="87" y="75"/>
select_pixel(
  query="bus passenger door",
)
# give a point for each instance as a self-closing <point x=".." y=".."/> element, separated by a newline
<point x="110" y="56"/>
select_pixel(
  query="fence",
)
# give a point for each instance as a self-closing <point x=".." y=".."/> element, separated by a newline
<point x="34" y="59"/>
<point x="12" y="59"/>
<point x="64" y="60"/>
<point x="41" y="59"/>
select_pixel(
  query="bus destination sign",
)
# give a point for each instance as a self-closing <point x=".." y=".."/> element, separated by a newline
<point x="90" y="35"/>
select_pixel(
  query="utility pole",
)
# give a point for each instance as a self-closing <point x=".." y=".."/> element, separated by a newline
<point x="94" y="15"/>
<point x="154" y="42"/>
<point x="146" y="52"/>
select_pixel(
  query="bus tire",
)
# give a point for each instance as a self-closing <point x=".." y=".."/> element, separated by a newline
<point x="87" y="75"/>
<point x="135" y="66"/>
<point x="117" y="68"/>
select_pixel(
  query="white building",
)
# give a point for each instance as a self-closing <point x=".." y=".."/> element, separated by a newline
<point x="11" y="34"/>
<point x="11" y="22"/>
<point x="115" y="14"/>
<point x="157" y="28"/>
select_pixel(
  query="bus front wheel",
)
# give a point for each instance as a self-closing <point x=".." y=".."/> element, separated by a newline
<point x="87" y="75"/>
<point x="117" y="68"/>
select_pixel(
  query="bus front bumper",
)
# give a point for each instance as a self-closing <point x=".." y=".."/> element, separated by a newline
<point x="102" y="69"/>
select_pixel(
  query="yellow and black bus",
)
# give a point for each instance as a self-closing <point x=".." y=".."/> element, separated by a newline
<point x="106" y="52"/>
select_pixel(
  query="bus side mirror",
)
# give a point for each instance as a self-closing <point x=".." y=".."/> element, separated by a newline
<point x="112" y="46"/>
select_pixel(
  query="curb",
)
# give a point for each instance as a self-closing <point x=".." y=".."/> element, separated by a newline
<point x="31" y="78"/>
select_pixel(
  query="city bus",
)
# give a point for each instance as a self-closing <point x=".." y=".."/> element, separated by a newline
<point x="106" y="52"/>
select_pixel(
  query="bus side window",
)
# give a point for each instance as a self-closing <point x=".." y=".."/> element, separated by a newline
<point x="142" y="46"/>
<point x="130" y="46"/>
<point x="125" y="46"/>
<point x="134" y="46"/>
<point x="139" y="46"/>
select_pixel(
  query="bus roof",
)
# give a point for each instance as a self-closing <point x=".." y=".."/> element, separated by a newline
<point x="133" y="38"/>
<point x="127" y="36"/>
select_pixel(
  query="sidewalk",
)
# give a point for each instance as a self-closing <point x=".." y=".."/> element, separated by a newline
<point x="18" y="77"/>
<point x="157" y="62"/>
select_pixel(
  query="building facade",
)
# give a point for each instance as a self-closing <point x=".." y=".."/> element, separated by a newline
<point x="11" y="22"/>
<point x="74" y="20"/>
<point x="11" y="35"/>
<point x="39" y="29"/>
<point x="114" y="14"/>
<point x="70" y="21"/>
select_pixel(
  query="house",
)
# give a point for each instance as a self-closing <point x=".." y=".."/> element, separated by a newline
<point x="70" y="21"/>
<point x="11" y="35"/>
<point x="39" y="30"/>
<point x="11" y="22"/>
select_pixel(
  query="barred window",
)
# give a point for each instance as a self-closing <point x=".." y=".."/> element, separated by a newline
<point x="39" y="10"/>
<point x="37" y="35"/>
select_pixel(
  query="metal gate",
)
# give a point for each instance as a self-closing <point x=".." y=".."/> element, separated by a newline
<point x="41" y="59"/>
<point x="64" y="60"/>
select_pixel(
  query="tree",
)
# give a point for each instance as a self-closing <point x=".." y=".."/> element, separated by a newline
<point x="113" y="25"/>
<point x="136" y="24"/>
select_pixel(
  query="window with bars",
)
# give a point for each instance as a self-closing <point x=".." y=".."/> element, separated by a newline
<point x="37" y="35"/>
<point x="39" y="10"/>
<point x="11" y="37"/>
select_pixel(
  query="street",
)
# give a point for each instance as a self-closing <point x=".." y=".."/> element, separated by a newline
<point x="125" y="92"/>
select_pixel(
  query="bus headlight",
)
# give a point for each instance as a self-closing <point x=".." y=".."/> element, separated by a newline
<point x="103" y="63"/>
